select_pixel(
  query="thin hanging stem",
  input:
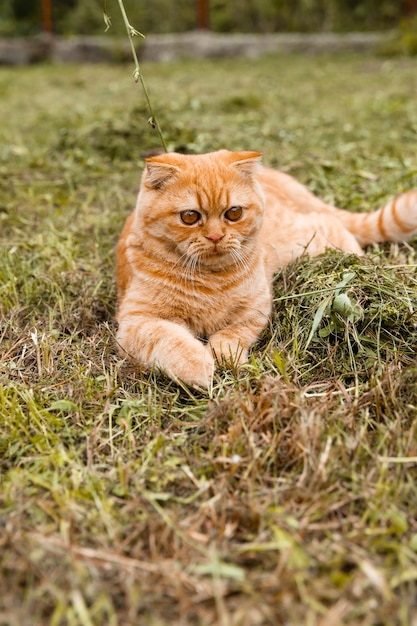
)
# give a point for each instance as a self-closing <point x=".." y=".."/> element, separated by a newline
<point x="137" y="74"/>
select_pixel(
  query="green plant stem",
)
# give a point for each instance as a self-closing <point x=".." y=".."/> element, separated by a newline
<point x="131" y="32"/>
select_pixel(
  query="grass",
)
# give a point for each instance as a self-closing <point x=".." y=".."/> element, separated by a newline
<point x="289" y="497"/>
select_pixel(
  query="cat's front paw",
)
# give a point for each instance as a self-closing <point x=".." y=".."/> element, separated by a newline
<point x="196" y="370"/>
<point x="228" y="352"/>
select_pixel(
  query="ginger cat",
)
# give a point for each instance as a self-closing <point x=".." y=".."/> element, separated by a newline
<point x="196" y="258"/>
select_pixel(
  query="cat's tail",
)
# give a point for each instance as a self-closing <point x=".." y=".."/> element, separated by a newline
<point x="396" y="221"/>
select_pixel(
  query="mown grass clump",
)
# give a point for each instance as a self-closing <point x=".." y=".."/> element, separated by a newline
<point x="346" y="317"/>
<point x="288" y="496"/>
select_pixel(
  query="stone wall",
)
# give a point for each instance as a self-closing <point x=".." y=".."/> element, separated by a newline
<point x="197" y="44"/>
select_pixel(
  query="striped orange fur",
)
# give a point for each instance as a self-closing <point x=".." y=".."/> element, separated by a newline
<point x="196" y="258"/>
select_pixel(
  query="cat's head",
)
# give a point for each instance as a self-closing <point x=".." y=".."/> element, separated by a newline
<point x="203" y="209"/>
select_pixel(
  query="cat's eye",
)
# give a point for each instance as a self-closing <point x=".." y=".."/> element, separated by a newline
<point x="234" y="214"/>
<point x="190" y="217"/>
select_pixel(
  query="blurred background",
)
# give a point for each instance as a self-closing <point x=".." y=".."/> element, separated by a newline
<point x="85" y="17"/>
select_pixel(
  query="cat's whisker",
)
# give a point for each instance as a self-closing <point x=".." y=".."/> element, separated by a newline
<point x="181" y="266"/>
<point x="190" y="266"/>
<point x="189" y="262"/>
<point x="191" y="270"/>
<point x="187" y="271"/>
<point x="240" y="259"/>
<point x="182" y="260"/>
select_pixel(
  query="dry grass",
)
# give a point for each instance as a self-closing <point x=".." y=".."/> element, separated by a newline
<point x="289" y="496"/>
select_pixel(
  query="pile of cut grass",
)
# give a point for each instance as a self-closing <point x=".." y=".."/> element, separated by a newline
<point x="289" y="495"/>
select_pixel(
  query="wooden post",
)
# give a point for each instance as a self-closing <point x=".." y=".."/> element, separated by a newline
<point x="203" y="14"/>
<point x="411" y="7"/>
<point x="47" y="16"/>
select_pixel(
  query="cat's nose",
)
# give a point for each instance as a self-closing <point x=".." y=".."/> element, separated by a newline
<point x="214" y="238"/>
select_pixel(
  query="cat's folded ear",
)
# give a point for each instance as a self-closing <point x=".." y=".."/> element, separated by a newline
<point x="247" y="163"/>
<point x="158" y="173"/>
